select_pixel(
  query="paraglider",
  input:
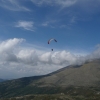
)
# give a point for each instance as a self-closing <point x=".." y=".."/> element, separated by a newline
<point x="52" y="39"/>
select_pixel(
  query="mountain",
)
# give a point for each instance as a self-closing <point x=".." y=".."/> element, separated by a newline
<point x="79" y="79"/>
<point x="1" y="80"/>
<point x="87" y="74"/>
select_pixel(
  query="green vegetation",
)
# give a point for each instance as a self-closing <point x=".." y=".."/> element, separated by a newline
<point x="70" y="83"/>
<point x="60" y="96"/>
<point x="75" y="92"/>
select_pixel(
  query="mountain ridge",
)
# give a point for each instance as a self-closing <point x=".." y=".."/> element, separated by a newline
<point x="2" y="80"/>
<point x="87" y="74"/>
<point x="62" y="80"/>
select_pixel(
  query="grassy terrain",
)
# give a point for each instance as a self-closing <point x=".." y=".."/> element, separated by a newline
<point x="74" y="81"/>
<point x="86" y="92"/>
<point x="60" y="96"/>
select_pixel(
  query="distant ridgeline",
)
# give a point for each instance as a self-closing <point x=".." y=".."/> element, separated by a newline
<point x="1" y="80"/>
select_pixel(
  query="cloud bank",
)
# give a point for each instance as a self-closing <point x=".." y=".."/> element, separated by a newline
<point x="20" y="61"/>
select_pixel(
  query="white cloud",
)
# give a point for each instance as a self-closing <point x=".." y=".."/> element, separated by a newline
<point x="63" y="3"/>
<point x="73" y="10"/>
<point x="13" y="5"/>
<point x="8" y="45"/>
<point x="87" y="4"/>
<point x="68" y="3"/>
<point x="27" y="25"/>
<point x="17" y="61"/>
<point x="50" y="23"/>
<point x="7" y="49"/>
<point x="45" y="24"/>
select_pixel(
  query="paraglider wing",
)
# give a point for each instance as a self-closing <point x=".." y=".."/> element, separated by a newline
<point x="55" y="40"/>
<point x="51" y="40"/>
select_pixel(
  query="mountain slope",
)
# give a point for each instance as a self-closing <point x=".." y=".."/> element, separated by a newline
<point x="2" y="80"/>
<point x="87" y="74"/>
<point x="63" y="80"/>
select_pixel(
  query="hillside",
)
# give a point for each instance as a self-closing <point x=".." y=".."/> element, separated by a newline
<point x="60" y="96"/>
<point x="80" y="78"/>
<point x="87" y="74"/>
<point x="2" y="80"/>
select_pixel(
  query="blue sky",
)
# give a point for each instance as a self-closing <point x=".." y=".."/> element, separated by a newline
<point x="27" y="25"/>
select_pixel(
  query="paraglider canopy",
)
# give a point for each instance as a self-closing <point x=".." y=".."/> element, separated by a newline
<point x="52" y="39"/>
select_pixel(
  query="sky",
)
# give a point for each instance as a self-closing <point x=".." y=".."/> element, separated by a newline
<point x="27" y="25"/>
